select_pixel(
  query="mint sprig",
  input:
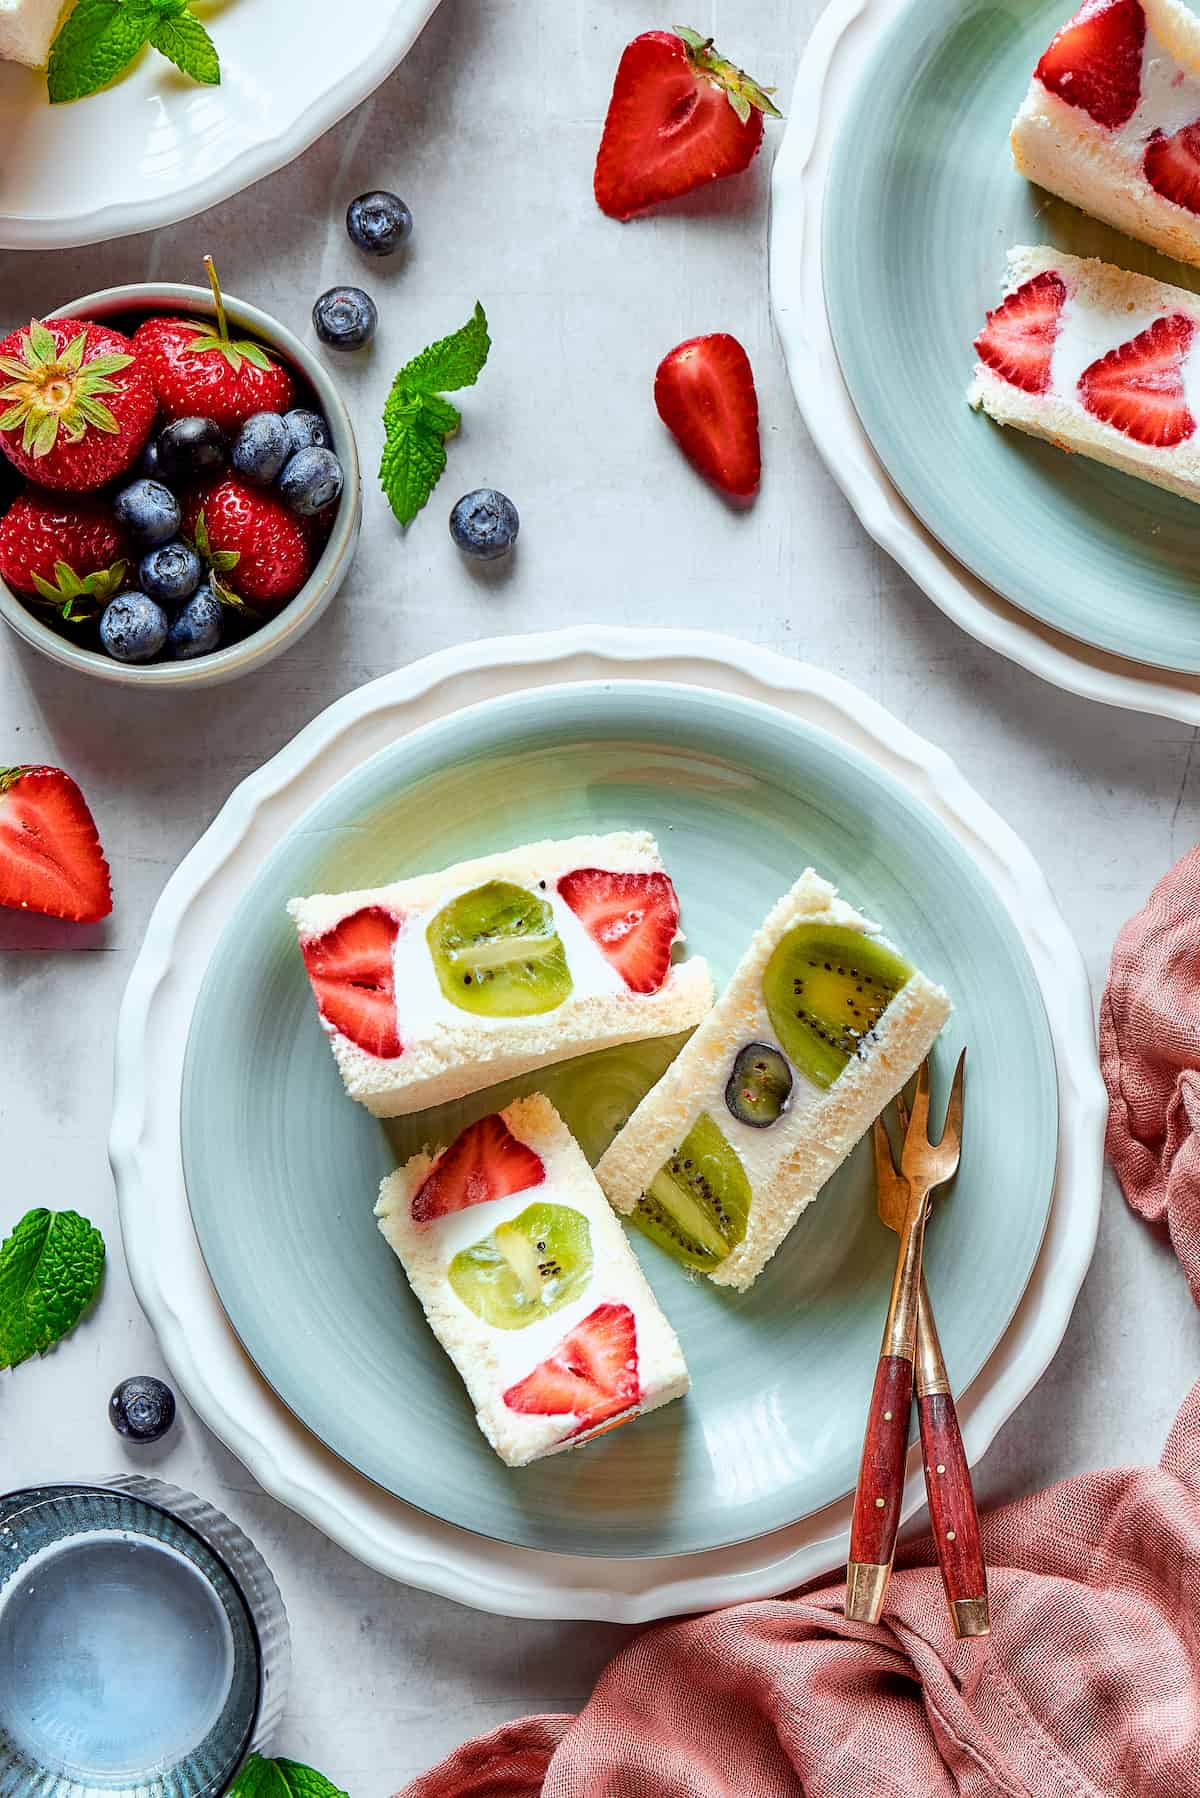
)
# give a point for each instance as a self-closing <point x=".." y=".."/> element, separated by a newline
<point x="50" y="1268"/>
<point x="261" y="1778"/>
<point x="99" y="39"/>
<point x="417" y="420"/>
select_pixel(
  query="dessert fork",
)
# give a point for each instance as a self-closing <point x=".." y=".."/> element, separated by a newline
<point x="909" y="1337"/>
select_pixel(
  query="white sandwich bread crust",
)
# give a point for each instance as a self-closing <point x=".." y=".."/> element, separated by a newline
<point x="788" y="1163"/>
<point x="460" y="1055"/>
<point x="1099" y="169"/>
<point x="27" y="30"/>
<point x="489" y="1360"/>
<point x="1132" y="300"/>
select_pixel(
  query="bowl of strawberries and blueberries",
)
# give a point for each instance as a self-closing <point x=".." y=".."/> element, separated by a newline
<point x="179" y="492"/>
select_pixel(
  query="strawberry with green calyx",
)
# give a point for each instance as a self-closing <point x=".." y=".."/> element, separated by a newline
<point x="680" y="115"/>
<point x="76" y="404"/>
<point x="50" y="855"/>
<point x="273" y="551"/>
<point x="77" y="599"/>
<point x="41" y="533"/>
<point x="217" y="562"/>
<point x="199" y="371"/>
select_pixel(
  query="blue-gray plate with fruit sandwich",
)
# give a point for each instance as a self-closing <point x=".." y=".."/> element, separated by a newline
<point x="283" y="1169"/>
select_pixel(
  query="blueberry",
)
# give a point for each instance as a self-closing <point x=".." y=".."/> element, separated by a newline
<point x="345" y="318"/>
<point x="378" y="223"/>
<point x="148" y="462"/>
<point x="148" y="512"/>
<point x="191" y="449"/>
<point x="311" y="481"/>
<point x="133" y="628"/>
<point x="142" y="1408"/>
<point x="261" y="448"/>
<point x="196" y="628"/>
<point x="484" y="523"/>
<point x="307" y="430"/>
<point x="171" y="573"/>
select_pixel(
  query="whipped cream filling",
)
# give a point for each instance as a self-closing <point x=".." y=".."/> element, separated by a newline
<point x="1170" y="99"/>
<point x="421" y="1005"/>
<point x="517" y="1352"/>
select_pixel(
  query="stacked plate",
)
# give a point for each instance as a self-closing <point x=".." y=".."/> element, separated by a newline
<point x="894" y="202"/>
<point x="246" y="1179"/>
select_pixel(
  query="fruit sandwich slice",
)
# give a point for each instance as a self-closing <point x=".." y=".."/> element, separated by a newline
<point x="433" y="987"/>
<point x="1111" y="120"/>
<point x="1096" y="360"/>
<point x="530" y="1285"/>
<point x="819" y="1028"/>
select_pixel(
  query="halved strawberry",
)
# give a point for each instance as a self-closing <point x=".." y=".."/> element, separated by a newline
<point x="486" y="1161"/>
<point x="704" y="391"/>
<point x="353" y="978"/>
<point x="633" y="918"/>
<point x="592" y="1374"/>
<point x="1138" y="387"/>
<point x="1172" y="165"/>
<point x="50" y="855"/>
<point x="1095" y="61"/>
<point x="1018" y="338"/>
<point x="680" y="115"/>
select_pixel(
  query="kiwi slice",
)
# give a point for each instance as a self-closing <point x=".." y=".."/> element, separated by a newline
<point x="697" y="1204"/>
<point x="759" y="1086"/>
<point x="497" y="953"/>
<point x="526" y="1268"/>
<point x="826" y="988"/>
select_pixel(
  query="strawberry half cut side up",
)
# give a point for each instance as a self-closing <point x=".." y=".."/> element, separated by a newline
<point x="352" y="975"/>
<point x="680" y="115"/>
<point x="486" y="1161"/>
<point x="632" y="918"/>
<point x="1138" y="387"/>
<point x="1172" y="165"/>
<point x="1095" y="61"/>
<point x="704" y="392"/>
<point x="50" y="855"/>
<point x="1018" y="339"/>
<point x="592" y="1374"/>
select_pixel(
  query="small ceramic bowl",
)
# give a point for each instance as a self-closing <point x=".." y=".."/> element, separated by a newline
<point x="288" y="625"/>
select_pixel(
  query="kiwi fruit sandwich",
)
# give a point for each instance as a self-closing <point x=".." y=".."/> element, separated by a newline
<point x="529" y="1283"/>
<point x="821" y="1025"/>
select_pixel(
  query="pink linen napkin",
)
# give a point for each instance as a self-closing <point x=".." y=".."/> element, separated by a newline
<point x="1150" y="1059"/>
<point x="1089" y="1686"/>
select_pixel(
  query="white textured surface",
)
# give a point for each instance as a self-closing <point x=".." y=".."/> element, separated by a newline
<point x="614" y="529"/>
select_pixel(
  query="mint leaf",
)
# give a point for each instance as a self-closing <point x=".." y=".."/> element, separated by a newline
<point x="96" y="41"/>
<point x="50" y="1268"/>
<point x="184" y="41"/>
<point x="417" y="420"/>
<point x="261" y="1778"/>
<point x="452" y="362"/>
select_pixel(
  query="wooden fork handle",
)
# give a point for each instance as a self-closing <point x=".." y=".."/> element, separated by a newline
<point x="880" y="1489"/>
<point x="952" y="1512"/>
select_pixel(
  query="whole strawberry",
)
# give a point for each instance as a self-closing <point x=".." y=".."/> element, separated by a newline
<point x="680" y="115"/>
<point x="199" y="371"/>
<point x="255" y="544"/>
<point x="77" y="404"/>
<point x="65" y="551"/>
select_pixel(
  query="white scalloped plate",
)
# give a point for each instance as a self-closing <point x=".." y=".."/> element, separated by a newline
<point x="841" y="46"/>
<point x="155" y="148"/>
<point x="164" y="1258"/>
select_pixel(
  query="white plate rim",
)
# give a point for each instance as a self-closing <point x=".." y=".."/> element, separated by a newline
<point x="164" y="1261"/>
<point x="842" y="42"/>
<point x="128" y="218"/>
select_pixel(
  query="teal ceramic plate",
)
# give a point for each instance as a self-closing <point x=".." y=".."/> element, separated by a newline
<point x="921" y="207"/>
<point x="282" y="1169"/>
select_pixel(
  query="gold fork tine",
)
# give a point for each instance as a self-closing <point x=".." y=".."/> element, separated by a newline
<point x="885" y="1166"/>
<point x="952" y="1132"/>
<point x="919" y="1119"/>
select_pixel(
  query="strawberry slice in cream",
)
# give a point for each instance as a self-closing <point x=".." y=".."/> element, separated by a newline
<point x="1111" y="120"/>
<point x="1097" y="361"/>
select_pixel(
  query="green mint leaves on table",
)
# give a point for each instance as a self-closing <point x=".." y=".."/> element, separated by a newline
<point x="417" y="420"/>
<point x="50" y="1268"/>
<point x="261" y="1778"/>
<point x="99" y="39"/>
